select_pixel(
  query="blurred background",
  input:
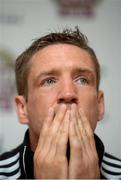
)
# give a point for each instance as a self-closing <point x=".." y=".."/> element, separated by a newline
<point x="21" y="21"/>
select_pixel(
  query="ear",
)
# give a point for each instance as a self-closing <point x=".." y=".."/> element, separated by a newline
<point x="21" y="108"/>
<point x="101" y="106"/>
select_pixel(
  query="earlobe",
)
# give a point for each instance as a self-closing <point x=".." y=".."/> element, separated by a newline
<point x="101" y="106"/>
<point x="21" y="109"/>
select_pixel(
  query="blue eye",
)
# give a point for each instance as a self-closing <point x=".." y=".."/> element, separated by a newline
<point x="48" y="82"/>
<point x="82" y="81"/>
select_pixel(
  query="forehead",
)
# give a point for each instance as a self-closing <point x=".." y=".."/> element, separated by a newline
<point x="61" y="56"/>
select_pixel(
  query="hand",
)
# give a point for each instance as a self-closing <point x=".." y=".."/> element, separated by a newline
<point x="83" y="156"/>
<point x="50" y="160"/>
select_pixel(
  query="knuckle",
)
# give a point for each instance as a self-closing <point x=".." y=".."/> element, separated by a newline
<point x="94" y="161"/>
<point x="39" y="157"/>
<point x="48" y="163"/>
<point x="75" y="143"/>
<point x="64" y="132"/>
<point x="61" y="142"/>
<point x="38" y="160"/>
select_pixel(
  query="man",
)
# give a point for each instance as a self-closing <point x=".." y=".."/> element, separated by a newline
<point x="59" y="99"/>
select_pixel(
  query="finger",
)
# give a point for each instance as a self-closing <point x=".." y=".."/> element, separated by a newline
<point x="75" y="145"/>
<point x="85" y="122"/>
<point x="87" y="132"/>
<point x="58" y="120"/>
<point x="59" y="145"/>
<point x="45" y="128"/>
<point x="50" y="137"/>
<point x="88" y="137"/>
<point x="74" y="119"/>
<point x="62" y="138"/>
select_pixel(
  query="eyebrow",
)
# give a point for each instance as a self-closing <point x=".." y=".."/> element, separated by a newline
<point x="83" y="70"/>
<point x="47" y="73"/>
<point x="56" y="72"/>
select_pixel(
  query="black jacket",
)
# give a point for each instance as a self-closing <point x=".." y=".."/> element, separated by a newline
<point x="18" y="163"/>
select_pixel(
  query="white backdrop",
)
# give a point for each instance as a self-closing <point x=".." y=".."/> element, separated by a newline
<point x="36" y="18"/>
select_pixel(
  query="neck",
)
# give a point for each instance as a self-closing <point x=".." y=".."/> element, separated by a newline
<point x="33" y="140"/>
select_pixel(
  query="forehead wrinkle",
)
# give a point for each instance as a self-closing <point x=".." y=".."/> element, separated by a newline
<point x="58" y="72"/>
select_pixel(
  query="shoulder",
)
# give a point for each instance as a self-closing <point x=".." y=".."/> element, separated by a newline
<point x="111" y="166"/>
<point x="10" y="164"/>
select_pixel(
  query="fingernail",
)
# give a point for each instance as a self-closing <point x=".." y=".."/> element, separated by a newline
<point x="80" y="110"/>
<point x="51" y="110"/>
<point x="63" y="106"/>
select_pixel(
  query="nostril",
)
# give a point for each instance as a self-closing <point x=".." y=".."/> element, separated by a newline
<point x="61" y="100"/>
<point x="70" y="101"/>
<point x="74" y="100"/>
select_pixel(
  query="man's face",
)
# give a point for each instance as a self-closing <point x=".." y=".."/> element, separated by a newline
<point x="62" y="73"/>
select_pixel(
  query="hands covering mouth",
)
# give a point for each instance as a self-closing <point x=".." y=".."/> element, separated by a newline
<point x="66" y="147"/>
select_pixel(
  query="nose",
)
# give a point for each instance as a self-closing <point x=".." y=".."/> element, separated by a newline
<point x="68" y="93"/>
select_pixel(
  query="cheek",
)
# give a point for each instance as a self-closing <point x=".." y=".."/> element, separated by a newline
<point x="37" y="109"/>
<point x="88" y="102"/>
<point x="93" y="117"/>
